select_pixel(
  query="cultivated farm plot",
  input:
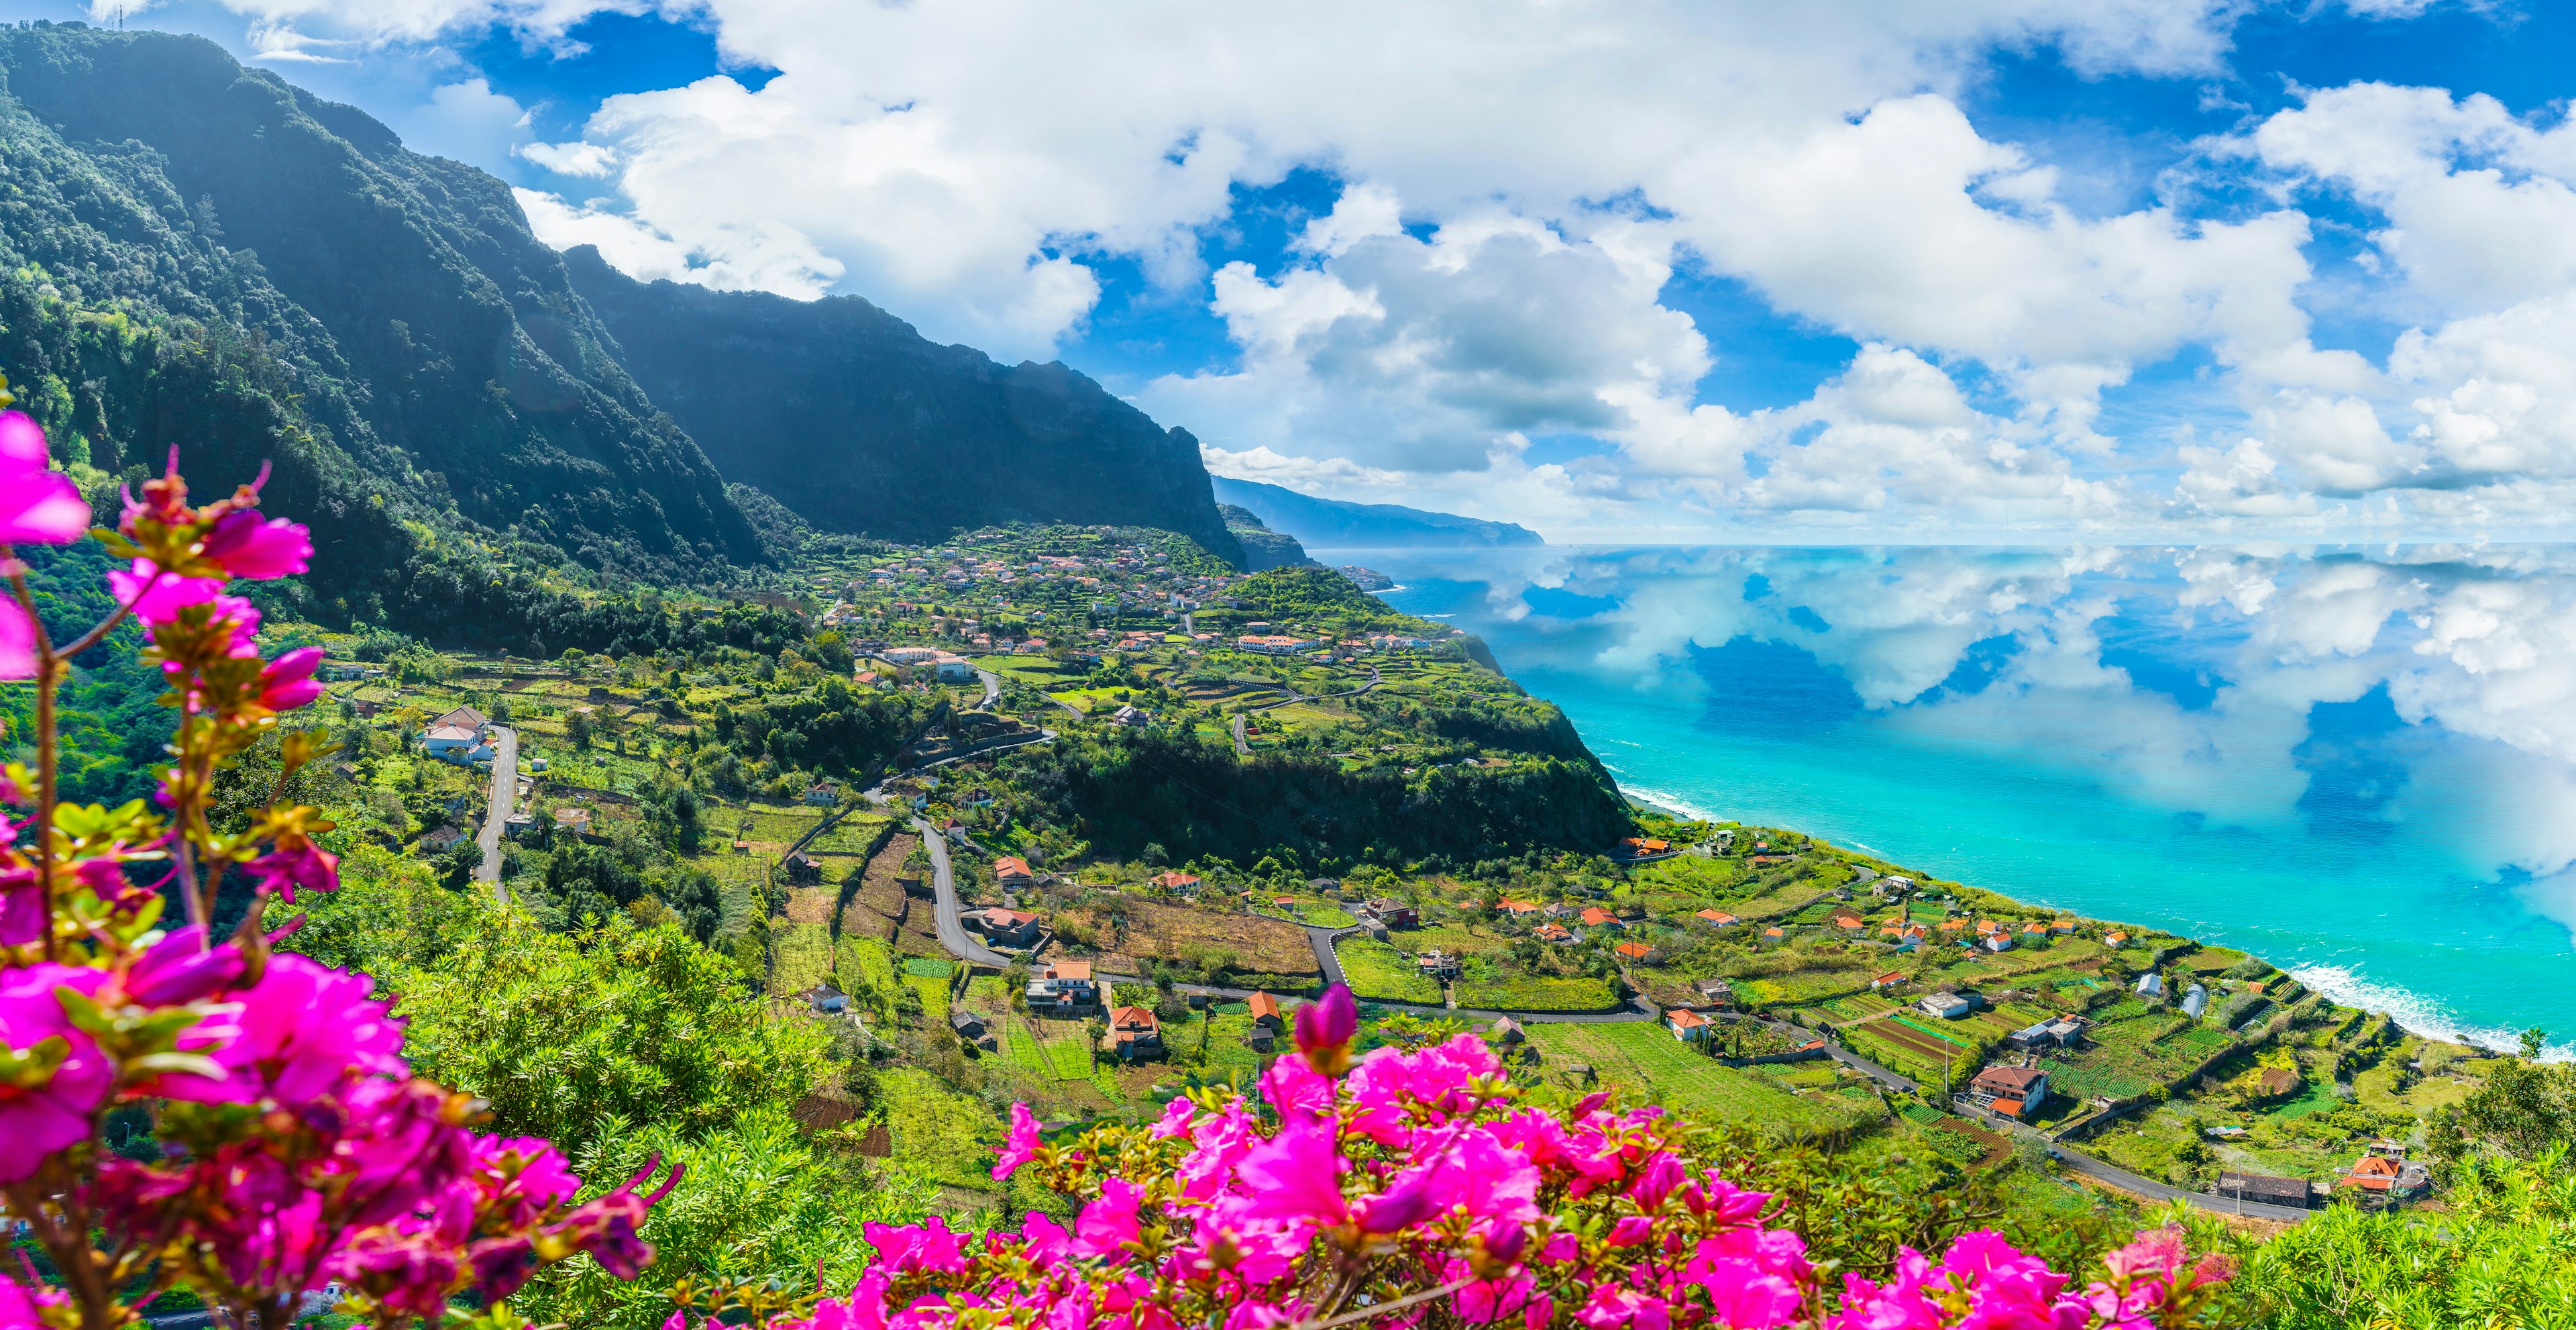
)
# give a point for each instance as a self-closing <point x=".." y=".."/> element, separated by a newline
<point x="800" y="956"/>
<point x="1179" y="933"/>
<point x="1646" y="1058"/>
<point x="1063" y="1048"/>
<point x="1538" y="993"/>
<point x="1376" y="971"/>
<point x="1451" y="939"/>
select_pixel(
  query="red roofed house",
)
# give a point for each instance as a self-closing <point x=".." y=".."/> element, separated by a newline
<point x="1011" y="928"/>
<point x="1888" y="980"/>
<point x="1063" y="987"/>
<point x="1551" y="933"/>
<point x="1264" y="1009"/>
<point x="2388" y="1177"/>
<point x="1013" y="871"/>
<point x="2011" y="1091"/>
<point x="1641" y="846"/>
<point x="1596" y="917"/>
<point x="1134" y="1033"/>
<point x="1686" y="1026"/>
<point x="1640" y="952"/>
<point x="1183" y="882"/>
<point x="1719" y="918"/>
<point x="1774" y="936"/>
<point x="1846" y="921"/>
<point x="1520" y="909"/>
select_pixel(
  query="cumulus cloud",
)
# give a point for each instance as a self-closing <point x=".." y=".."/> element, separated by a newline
<point x="1522" y="182"/>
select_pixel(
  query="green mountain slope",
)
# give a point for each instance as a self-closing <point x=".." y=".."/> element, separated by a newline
<point x="862" y="425"/>
<point x="1262" y="547"/>
<point x="433" y="341"/>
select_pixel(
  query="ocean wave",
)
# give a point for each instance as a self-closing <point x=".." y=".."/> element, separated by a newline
<point x="1672" y="801"/>
<point x="2414" y="1011"/>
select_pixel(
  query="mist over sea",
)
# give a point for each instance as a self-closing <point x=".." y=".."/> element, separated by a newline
<point x="2360" y="764"/>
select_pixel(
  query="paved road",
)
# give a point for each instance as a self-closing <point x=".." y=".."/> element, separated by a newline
<point x="992" y="689"/>
<point x="952" y="930"/>
<point x="1241" y="749"/>
<point x="505" y="788"/>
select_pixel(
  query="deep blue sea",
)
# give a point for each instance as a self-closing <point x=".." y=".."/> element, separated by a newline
<point x="2357" y="763"/>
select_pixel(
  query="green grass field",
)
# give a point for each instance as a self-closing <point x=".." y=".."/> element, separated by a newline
<point x="801" y="957"/>
<point x="1453" y="939"/>
<point x="862" y="962"/>
<point x="1646" y="1058"/>
<point x="1538" y="993"/>
<point x="1376" y="971"/>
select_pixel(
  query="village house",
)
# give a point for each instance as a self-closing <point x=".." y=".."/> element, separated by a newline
<point x="1184" y="884"/>
<point x="825" y="1000"/>
<point x="1714" y="918"/>
<point x="1555" y="933"/>
<point x="2011" y="1091"/>
<point x="1062" y="988"/>
<point x="1008" y="928"/>
<point x="1774" y="936"/>
<point x="1641" y="847"/>
<point x="1596" y="917"/>
<point x="801" y="870"/>
<point x="822" y="794"/>
<point x="2057" y="1032"/>
<point x="1686" y="1025"/>
<point x="1881" y="982"/>
<point x="453" y="743"/>
<point x="1947" y="1006"/>
<point x="1520" y="909"/>
<point x="1437" y="964"/>
<point x="1639" y="953"/>
<point x="464" y="718"/>
<point x="1134" y="1033"/>
<point x="2397" y="1179"/>
<point x="1013" y="873"/>
<point x="1998" y="942"/>
<point x="973" y="1029"/>
<point x="1264" y="1010"/>
<point x="1393" y="913"/>
<point x="2262" y="1190"/>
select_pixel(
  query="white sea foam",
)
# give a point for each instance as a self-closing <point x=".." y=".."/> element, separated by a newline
<point x="1672" y="801"/>
<point x="2419" y="1014"/>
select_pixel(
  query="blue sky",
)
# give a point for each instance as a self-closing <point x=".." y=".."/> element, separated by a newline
<point x="1987" y="269"/>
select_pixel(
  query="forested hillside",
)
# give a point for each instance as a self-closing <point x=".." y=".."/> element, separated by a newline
<point x="861" y="424"/>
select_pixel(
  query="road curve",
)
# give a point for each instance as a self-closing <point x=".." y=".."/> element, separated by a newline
<point x="943" y="883"/>
<point x="992" y="688"/>
<point x="505" y="789"/>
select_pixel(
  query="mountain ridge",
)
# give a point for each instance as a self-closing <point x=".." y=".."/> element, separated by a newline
<point x="1337" y="524"/>
<point x="850" y="417"/>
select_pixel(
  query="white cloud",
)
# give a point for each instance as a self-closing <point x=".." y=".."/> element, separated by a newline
<point x="587" y="161"/>
<point x="468" y="121"/>
<point x="968" y="163"/>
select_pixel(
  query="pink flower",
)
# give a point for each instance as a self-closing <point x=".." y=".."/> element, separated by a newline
<point x="157" y="597"/>
<point x="1020" y="1146"/>
<point x="62" y="1077"/>
<point x="288" y="681"/>
<point x="180" y="968"/>
<point x="248" y="547"/>
<point x="24" y="910"/>
<point x="303" y="864"/>
<point x="929" y="1246"/>
<point x="304" y="1027"/>
<point x="1043" y="1240"/>
<point x="1109" y="1221"/>
<point x="17" y="641"/>
<point x="21" y="1309"/>
<point x="1326" y="1025"/>
<point x="1656" y="1180"/>
<point x="38" y="505"/>
<point x="1296" y="1089"/>
<point x="1295" y="1175"/>
<point x="1176" y="1118"/>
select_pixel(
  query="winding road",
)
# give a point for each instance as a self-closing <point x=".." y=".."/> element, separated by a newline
<point x="505" y="789"/>
<point x="943" y="883"/>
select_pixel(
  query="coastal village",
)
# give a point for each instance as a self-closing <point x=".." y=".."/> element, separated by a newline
<point x="959" y="931"/>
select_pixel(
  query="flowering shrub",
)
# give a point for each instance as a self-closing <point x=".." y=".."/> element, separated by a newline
<point x="1420" y="1186"/>
<point x="295" y="1149"/>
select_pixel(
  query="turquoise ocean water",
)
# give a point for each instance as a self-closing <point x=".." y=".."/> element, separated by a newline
<point x="2360" y="764"/>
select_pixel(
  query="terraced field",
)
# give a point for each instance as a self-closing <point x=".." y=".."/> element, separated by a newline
<point x="1375" y="970"/>
<point x="1646" y="1058"/>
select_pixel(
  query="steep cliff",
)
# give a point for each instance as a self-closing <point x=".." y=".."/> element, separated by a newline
<point x="861" y="424"/>
<point x="463" y="368"/>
